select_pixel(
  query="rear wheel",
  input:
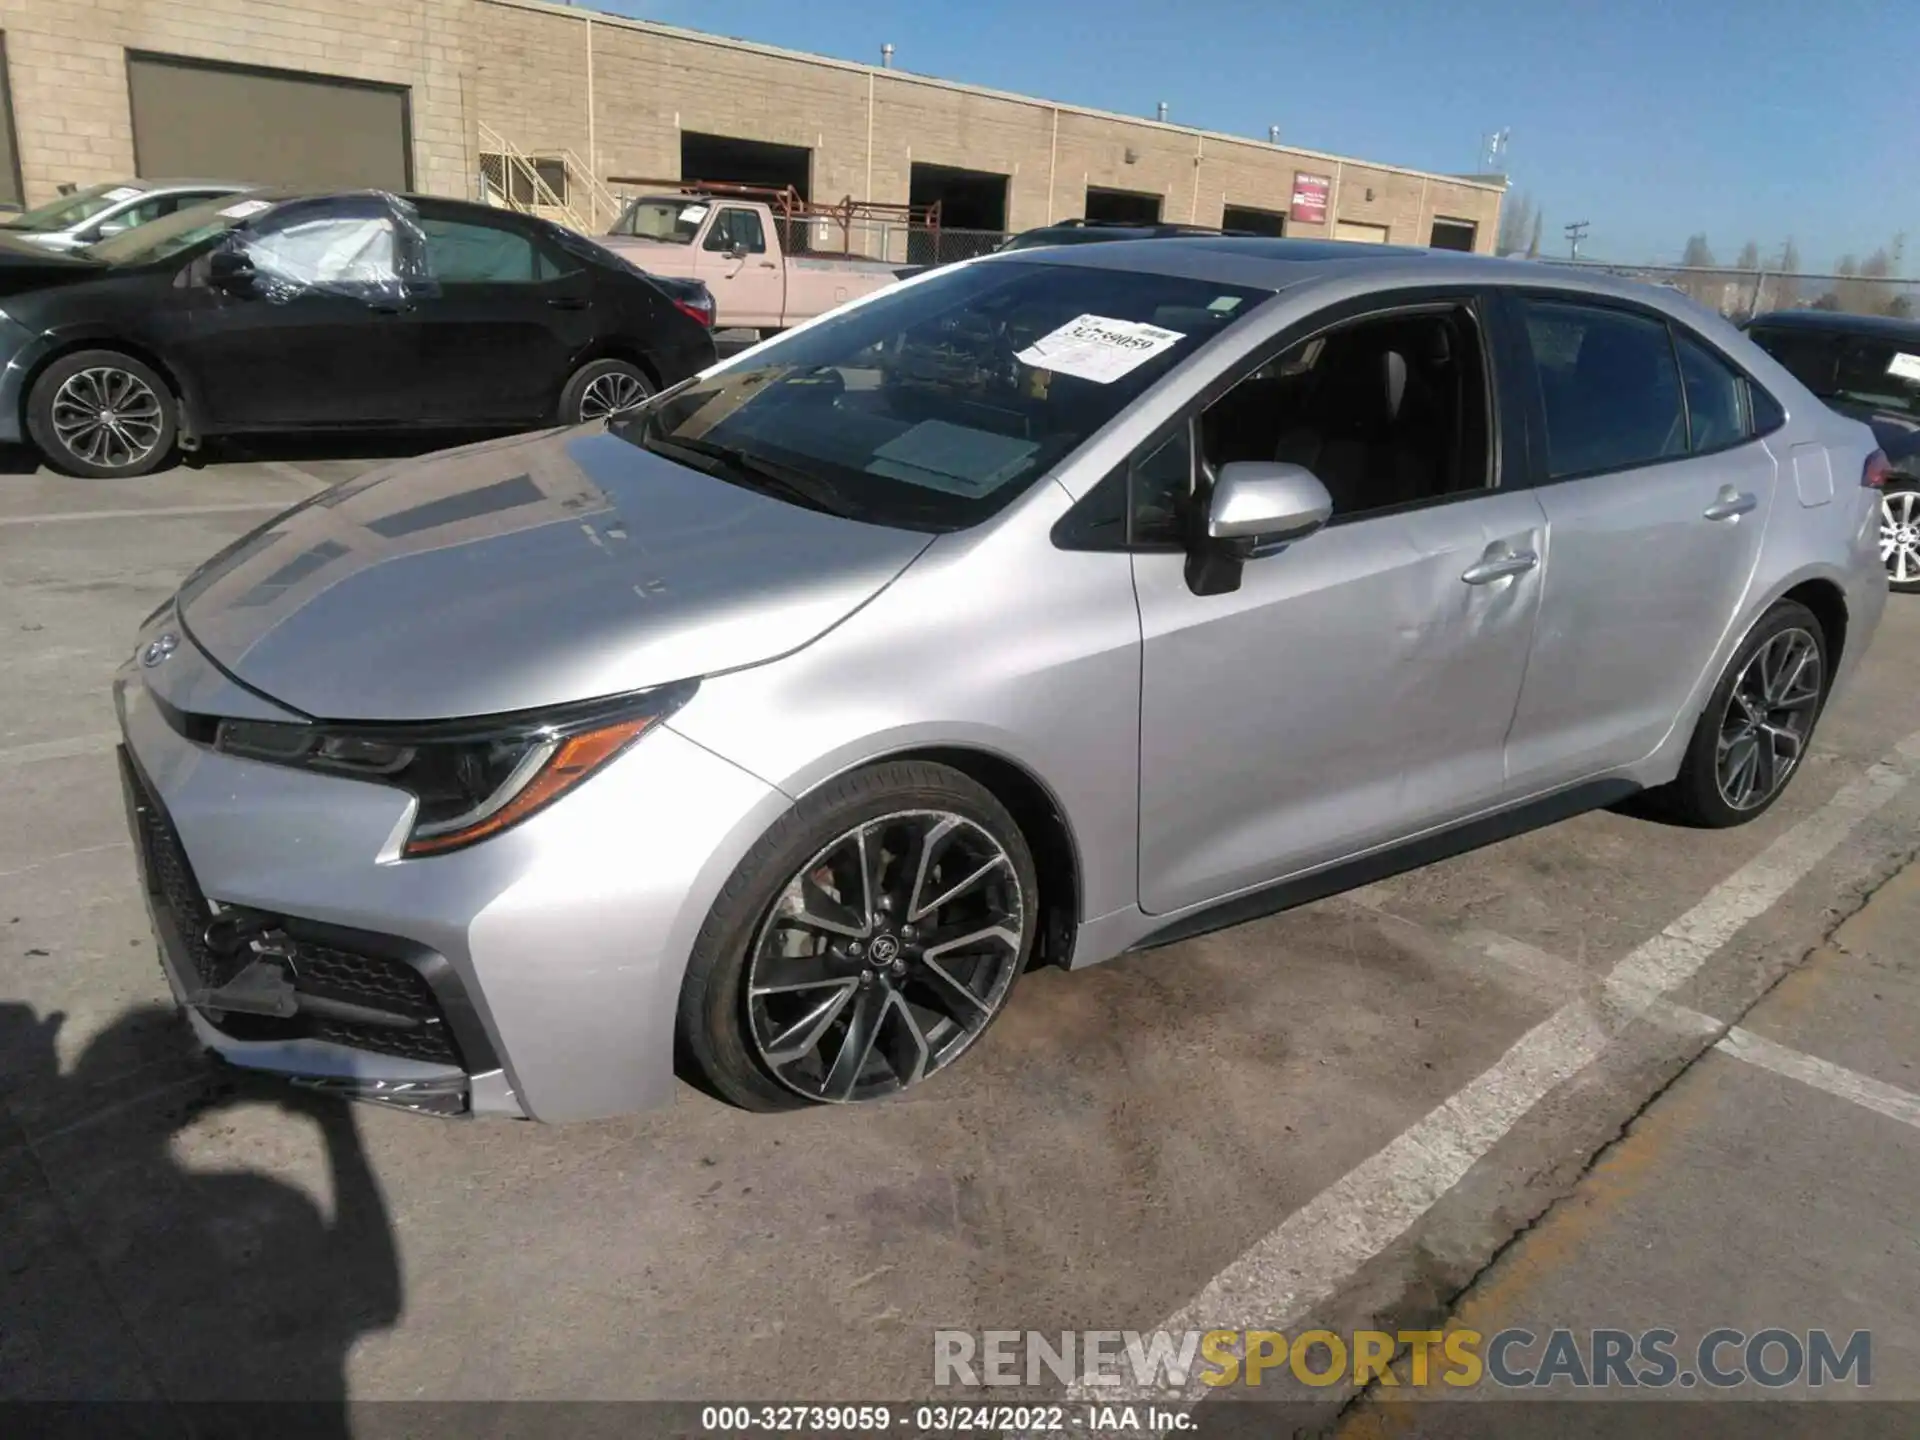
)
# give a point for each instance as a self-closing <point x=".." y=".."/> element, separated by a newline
<point x="864" y="944"/>
<point x="1757" y="724"/>
<point x="601" y="389"/>
<point x="1900" y="533"/>
<point x="101" y="414"/>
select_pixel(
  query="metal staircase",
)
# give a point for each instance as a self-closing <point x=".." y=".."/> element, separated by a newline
<point x="555" y="184"/>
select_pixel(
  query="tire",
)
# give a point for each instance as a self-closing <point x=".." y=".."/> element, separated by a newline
<point x="65" y="406"/>
<point x="601" y="388"/>
<point x="1900" y="533"/>
<point x="1781" y="671"/>
<point x="754" y="971"/>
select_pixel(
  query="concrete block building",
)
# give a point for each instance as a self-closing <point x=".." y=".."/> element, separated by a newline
<point x="426" y="94"/>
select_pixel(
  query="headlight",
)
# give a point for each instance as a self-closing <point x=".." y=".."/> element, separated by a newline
<point x="471" y="778"/>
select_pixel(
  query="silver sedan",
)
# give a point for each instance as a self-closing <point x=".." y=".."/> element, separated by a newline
<point x="1042" y="608"/>
<point x="72" y="222"/>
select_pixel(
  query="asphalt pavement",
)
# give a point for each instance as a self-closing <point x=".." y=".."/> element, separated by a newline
<point x="1378" y="1111"/>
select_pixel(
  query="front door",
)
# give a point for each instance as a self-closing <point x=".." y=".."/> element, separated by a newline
<point x="500" y="320"/>
<point x="748" y="282"/>
<point x="1657" y="495"/>
<point x="321" y="334"/>
<point x="1357" y="687"/>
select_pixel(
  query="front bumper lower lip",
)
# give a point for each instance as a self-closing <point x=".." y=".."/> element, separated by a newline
<point x="420" y="1086"/>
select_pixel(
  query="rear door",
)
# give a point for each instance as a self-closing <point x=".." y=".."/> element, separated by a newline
<point x="500" y="320"/>
<point x="1657" y="493"/>
<point x="323" y="335"/>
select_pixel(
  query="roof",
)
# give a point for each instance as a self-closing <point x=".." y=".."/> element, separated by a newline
<point x="1839" y="322"/>
<point x="1279" y="264"/>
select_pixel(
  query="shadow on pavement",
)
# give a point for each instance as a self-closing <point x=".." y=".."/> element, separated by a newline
<point x="134" y="1276"/>
<point x="338" y="445"/>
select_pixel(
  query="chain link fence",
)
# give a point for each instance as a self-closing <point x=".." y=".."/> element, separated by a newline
<point x="1742" y="294"/>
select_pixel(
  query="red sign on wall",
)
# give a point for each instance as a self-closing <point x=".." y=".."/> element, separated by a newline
<point x="1309" y="205"/>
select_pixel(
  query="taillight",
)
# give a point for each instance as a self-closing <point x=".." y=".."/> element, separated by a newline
<point x="702" y="313"/>
<point x="1877" y="472"/>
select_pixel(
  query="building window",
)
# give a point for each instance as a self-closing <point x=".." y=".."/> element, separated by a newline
<point x="1453" y="234"/>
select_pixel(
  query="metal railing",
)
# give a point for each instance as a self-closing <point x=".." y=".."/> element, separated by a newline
<point x="1740" y="294"/>
<point x="516" y="180"/>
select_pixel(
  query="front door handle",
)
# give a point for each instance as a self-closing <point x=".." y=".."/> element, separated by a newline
<point x="768" y="265"/>
<point x="567" y="302"/>
<point x="1499" y="565"/>
<point x="1731" y="504"/>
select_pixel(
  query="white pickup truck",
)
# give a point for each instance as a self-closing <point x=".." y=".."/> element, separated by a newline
<point x="734" y="245"/>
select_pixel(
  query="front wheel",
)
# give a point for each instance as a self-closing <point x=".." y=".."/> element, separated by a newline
<point x="1900" y="534"/>
<point x="864" y="944"/>
<point x="601" y="389"/>
<point x="102" y="415"/>
<point x="1758" y="722"/>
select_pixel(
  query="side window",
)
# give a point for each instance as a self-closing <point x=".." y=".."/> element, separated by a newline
<point x="737" y="229"/>
<point x="339" y="250"/>
<point x="459" y="253"/>
<point x="1608" y="385"/>
<point x="1716" y="397"/>
<point x="1386" y="411"/>
<point x="1162" y="486"/>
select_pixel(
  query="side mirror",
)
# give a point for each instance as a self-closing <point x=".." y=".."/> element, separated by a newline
<point x="737" y="252"/>
<point x="1260" y="505"/>
<point x="230" y="270"/>
<point x="112" y="227"/>
<point x="1257" y="507"/>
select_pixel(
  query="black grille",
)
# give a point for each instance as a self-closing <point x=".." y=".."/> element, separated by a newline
<point x="379" y="982"/>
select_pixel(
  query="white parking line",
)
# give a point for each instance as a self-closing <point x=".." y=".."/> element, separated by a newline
<point x="1883" y="1099"/>
<point x="148" y="512"/>
<point x="1304" y="1260"/>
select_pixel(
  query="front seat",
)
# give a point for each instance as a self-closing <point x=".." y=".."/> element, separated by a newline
<point x="1356" y="442"/>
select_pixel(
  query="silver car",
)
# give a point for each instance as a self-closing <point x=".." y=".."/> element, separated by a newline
<point x="1043" y="608"/>
<point x="74" y="221"/>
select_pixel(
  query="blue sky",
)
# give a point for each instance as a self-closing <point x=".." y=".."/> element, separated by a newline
<point x="1651" y="119"/>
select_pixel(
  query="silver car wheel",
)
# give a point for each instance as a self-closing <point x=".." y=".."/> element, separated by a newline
<point x="1768" y="718"/>
<point x="107" y="416"/>
<point x="1900" y="535"/>
<point x="885" y="957"/>
<point x="610" y="394"/>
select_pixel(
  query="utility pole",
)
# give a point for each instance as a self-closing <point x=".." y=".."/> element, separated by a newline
<point x="1576" y="232"/>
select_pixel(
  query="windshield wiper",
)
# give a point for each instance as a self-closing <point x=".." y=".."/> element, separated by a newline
<point x="796" y="485"/>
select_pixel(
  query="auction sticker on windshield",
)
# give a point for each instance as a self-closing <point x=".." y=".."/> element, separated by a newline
<point x="1096" y="348"/>
<point x="244" y="209"/>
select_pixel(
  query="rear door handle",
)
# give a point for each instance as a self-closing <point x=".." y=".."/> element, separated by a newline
<point x="1730" y="505"/>
<point x="390" y="307"/>
<point x="567" y="302"/>
<point x="1499" y="565"/>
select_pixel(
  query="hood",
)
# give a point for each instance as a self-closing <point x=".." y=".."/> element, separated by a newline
<point x="26" y="266"/>
<point x="516" y="574"/>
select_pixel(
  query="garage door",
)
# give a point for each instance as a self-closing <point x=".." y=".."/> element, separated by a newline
<point x="274" y="127"/>
<point x="1354" y="230"/>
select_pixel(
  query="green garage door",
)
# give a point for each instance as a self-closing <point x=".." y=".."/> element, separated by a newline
<point x="273" y="127"/>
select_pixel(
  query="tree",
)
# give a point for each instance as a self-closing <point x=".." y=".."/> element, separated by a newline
<point x="1846" y="291"/>
<point x="1516" y="223"/>
<point x="1786" y="289"/>
<point x="1749" y="256"/>
<point x="1533" y="241"/>
<point x="1704" y="289"/>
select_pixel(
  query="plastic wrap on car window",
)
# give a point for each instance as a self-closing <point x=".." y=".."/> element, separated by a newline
<point x="366" y="246"/>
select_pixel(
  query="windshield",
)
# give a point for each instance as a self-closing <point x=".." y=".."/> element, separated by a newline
<point x="1859" y="370"/>
<point x="670" y="221"/>
<point x="166" y="237"/>
<point x="934" y="405"/>
<point x="70" y="210"/>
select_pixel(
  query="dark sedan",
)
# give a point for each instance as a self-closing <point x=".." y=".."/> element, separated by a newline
<point x="281" y="312"/>
<point x="1867" y="367"/>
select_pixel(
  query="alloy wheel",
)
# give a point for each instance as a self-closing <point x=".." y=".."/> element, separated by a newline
<point x="610" y="394"/>
<point x="107" y="416"/>
<point x="1900" y="535"/>
<point x="1769" y="716"/>
<point x="886" y="956"/>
